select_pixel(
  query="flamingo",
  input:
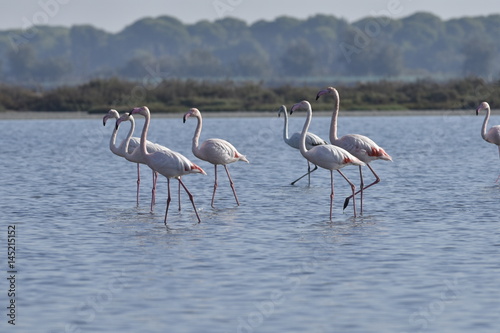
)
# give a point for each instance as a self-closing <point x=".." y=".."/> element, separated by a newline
<point x="135" y="155"/>
<point x="493" y="134"/>
<point x="360" y="146"/>
<point x="294" y="142"/>
<point x="166" y="162"/>
<point x="327" y="156"/>
<point x="127" y="146"/>
<point x="214" y="151"/>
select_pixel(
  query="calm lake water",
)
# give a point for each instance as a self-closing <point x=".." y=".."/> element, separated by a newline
<point x="423" y="258"/>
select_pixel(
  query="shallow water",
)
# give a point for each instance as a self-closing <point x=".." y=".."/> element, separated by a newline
<point x="422" y="258"/>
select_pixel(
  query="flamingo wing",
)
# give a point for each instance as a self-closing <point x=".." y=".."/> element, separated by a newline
<point x="312" y="140"/>
<point x="218" y="151"/>
<point x="331" y="157"/>
<point x="493" y="135"/>
<point x="363" y="148"/>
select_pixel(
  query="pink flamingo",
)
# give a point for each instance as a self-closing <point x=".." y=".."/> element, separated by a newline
<point x="166" y="162"/>
<point x="215" y="151"/>
<point x="329" y="157"/>
<point x="493" y="134"/>
<point x="127" y="146"/>
<point x="294" y="142"/>
<point x="360" y="146"/>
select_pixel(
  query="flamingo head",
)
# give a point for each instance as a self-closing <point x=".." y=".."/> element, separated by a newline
<point x="193" y="112"/>
<point x="282" y="109"/>
<point x="124" y="117"/>
<point x="111" y="114"/>
<point x="329" y="91"/>
<point x="482" y="106"/>
<point x="303" y="105"/>
<point x="143" y="110"/>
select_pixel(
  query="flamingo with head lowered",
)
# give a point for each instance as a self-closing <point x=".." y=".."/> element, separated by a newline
<point x="294" y="142"/>
<point x="493" y="134"/>
<point x="215" y="151"/>
<point x="127" y="146"/>
<point x="329" y="157"/>
<point x="360" y="146"/>
<point x="166" y="162"/>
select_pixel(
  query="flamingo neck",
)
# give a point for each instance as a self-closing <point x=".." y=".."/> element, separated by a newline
<point x="144" y="134"/>
<point x="333" y="124"/>
<point x="129" y="134"/>
<point x="302" y="144"/>
<point x="485" y="123"/>
<point x="112" y="140"/>
<point x="285" y="127"/>
<point x="196" y="136"/>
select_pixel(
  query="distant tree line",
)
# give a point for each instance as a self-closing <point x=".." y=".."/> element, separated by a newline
<point x="178" y="95"/>
<point x="161" y="48"/>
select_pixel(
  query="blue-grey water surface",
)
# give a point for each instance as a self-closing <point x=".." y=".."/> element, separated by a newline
<point x="423" y="258"/>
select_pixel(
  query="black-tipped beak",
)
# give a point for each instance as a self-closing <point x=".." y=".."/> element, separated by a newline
<point x="116" y="125"/>
<point x="317" y="96"/>
<point x="103" y="122"/>
<point x="477" y="112"/>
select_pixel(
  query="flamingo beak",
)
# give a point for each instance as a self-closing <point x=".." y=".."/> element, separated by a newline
<point x="477" y="112"/>
<point x="186" y="116"/>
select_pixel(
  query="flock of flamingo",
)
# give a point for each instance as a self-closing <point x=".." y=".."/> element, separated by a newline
<point x="351" y="149"/>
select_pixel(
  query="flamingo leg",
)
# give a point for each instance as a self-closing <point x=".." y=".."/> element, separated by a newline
<point x="190" y="198"/>
<point x="331" y="194"/>
<point x="377" y="180"/>
<point x="353" y="188"/>
<point x="232" y="184"/>
<point x="179" y="196"/>
<point x="215" y="185"/>
<point x="308" y="173"/>
<point x="153" y="190"/>
<point x="498" y="178"/>
<point x="138" y="183"/>
<point x="168" y="200"/>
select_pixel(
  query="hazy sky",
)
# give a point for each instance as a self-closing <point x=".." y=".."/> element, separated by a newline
<point x="114" y="15"/>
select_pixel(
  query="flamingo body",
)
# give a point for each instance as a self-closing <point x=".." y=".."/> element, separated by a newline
<point x="329" y="157"/>
<point x="214" y="151"/>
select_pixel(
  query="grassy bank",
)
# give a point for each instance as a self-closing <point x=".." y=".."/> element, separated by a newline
<point x="177" y="95"/>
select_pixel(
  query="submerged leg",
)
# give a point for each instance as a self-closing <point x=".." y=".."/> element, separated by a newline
<point x="168" y="200"/>
<point x="138" y="183"/>
<point x="179" y="196"/>
<point x="377" y="180"/>
<point x="353" y="188"/>
<point x="190" y="198"/>
<point x="331" y="194"/>
<point x="232" y="185"/>
<point x="153" y="190"/>
<point x="309" y="171"/>
<point x="215" y="185"/>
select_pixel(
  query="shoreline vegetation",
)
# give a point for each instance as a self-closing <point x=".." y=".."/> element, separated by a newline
<point x="173" y="96"/>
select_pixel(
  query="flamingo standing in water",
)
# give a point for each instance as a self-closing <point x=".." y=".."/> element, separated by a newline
<point x="360" y="146"/>
<point x="127" y="146"/>
<point x="294" y="142"/>
<point x="166" y="162"/>
<point x="329" y="157"/>
<point x="215" y="151"/>
<point x="493" y="134"/>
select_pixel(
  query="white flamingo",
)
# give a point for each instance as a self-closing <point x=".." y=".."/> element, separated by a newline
<point x="329" y="157"/>
<point x="166" y="162"/>
<point x="294" y="142"/>
<point x="360" y="146"/>
<point x="215" y="151"/>
<point x="127" y="146"/>
<point x="493" y="134"/>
